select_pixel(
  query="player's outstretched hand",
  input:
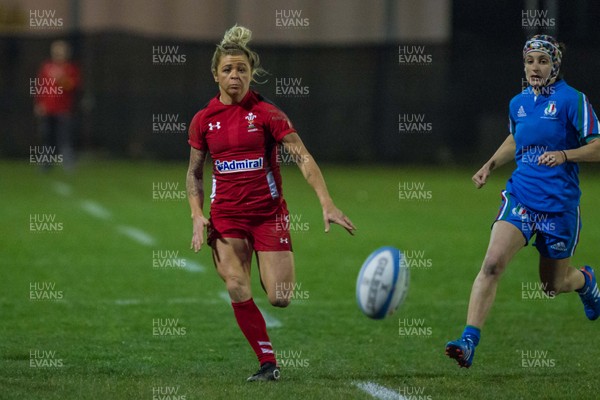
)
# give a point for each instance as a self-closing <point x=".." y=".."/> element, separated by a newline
<point x="333" y="214"/>
<point x="198" y="233"/>
<point x="480" y="177"/>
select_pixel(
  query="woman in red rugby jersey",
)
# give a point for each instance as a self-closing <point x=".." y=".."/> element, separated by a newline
<point x="242" y="131"/>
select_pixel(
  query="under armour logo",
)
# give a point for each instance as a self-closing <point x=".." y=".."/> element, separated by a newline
<point x="283" y="240"/>
<point x="211" y="125"/>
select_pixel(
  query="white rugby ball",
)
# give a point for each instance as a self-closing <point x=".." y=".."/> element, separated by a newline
<point x="382" y="283"/>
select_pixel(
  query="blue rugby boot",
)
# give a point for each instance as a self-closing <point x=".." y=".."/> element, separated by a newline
<point x="462" y="350"/>
<point x="589" y="294"/>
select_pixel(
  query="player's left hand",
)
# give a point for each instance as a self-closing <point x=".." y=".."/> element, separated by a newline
<point x="552" y="158"/>
<point x="335" y="215"/>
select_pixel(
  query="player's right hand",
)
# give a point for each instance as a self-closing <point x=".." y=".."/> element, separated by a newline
<point x="198" y="223"/>
<point x="480" y="177"/>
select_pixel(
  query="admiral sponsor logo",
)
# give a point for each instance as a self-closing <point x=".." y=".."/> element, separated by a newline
<point x="226" y="167"/>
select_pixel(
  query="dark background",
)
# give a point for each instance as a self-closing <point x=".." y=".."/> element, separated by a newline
<point x="356" y="91"/>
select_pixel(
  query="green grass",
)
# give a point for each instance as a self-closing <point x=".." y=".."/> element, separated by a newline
<point x="102" y="329"/>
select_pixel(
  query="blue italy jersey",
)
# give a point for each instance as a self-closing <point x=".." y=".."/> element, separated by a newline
<point x="559" y="118"/>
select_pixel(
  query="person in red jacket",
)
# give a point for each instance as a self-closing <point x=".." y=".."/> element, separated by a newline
<point x="55" y="89"/>
<point x="242" y="132"/>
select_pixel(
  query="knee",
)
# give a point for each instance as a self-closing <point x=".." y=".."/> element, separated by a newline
<point x="238" y="288"/>
<point x="281" y="296"/>
<point x="493" y="265"/>
<point x="280" y="299"/>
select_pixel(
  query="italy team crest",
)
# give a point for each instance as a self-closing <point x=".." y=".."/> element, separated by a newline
<point x="550" y="110"/>
<point x="520" y="211"/>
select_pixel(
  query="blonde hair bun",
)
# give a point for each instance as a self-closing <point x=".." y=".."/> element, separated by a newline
<point x="239" y="35"/>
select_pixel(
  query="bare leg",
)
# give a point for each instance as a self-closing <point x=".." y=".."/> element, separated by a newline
<point x="558" y="276"/>
<point x="277" y="275"/>
<point x="505" y="241"/>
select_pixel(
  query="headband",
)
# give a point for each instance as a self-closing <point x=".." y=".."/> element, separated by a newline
<point x="548" y="45"/>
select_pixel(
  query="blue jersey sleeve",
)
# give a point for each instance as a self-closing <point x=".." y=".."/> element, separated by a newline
<point x="511" y="119"/>
<point x="584" y="119"/>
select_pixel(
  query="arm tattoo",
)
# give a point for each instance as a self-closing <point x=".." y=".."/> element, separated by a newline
<point x="194" y="174"/>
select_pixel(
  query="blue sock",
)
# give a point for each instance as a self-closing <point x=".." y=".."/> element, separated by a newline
<point x="586" y="283"/>
<point x="472" y="333"/>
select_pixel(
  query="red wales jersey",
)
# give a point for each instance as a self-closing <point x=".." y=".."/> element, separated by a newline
<point x="242" y="142"/>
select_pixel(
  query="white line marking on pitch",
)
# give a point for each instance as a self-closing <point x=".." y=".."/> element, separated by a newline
<point x="95" y="209"/>
<point x="378" y="391"/>
<point x="137" y="235"/>
<point x="62" y="188"/>
<point x="193" y="266"/>
<point x="270" y="321"/>
<point x="127" y="302"/>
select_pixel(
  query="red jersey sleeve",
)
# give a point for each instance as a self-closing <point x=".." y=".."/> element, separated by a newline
<point x="196" y="137"/>
<point x="279" y="124"/>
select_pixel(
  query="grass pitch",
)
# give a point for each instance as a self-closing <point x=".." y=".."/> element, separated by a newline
<point x="101" y="297"/>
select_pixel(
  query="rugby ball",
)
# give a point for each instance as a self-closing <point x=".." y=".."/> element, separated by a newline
<point x="382" y="283"/>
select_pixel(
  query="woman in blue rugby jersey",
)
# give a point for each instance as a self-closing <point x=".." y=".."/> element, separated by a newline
<point x="552" y="128"/>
